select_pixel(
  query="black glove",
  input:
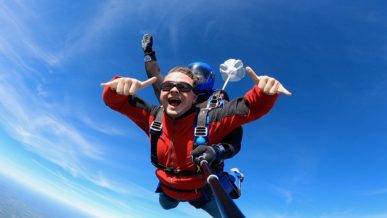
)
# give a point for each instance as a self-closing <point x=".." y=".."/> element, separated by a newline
<point x="147" y="43"/>
<point x="204" y="152"/>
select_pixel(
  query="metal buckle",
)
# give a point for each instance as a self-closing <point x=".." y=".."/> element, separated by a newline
<point x="170" y="170"/>
<point x="156" y="127"/>
<point x="216" y="101"/>
<point x="201" y="131"/>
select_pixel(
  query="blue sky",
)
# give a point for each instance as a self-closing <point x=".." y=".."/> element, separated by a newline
<point x="320" y="153"/>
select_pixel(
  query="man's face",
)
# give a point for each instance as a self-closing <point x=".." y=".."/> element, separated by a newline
<point x="176" y="102"/>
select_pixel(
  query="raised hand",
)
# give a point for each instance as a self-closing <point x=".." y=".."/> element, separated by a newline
<point x="268" y="85"/>
<point x="147" y="43"/>
<point x="128" y="86"/>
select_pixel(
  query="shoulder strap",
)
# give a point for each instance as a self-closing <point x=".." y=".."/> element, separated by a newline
<point x="201" y="129"/>
<point x="155" y="130"/>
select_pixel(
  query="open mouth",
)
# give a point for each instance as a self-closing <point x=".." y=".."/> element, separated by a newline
<point x="174" y="101"/>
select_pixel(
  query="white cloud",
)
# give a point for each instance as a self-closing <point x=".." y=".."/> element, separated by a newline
<point x="381" y="191"/>
<point x="17" y="39"/>
<point x="130" y="191"/>
<point x="352" y="214"/>
<point x="40" y="125"/>
<point x="89" y="200"/>
<point x="50" y="189"/>
<point x="28" y="120"/>
<point x="286" y="194"/>
<point x="25" y="114"/>
<point x="107" y="16"/>
<point x="259" y="213"/>
<point x="101" y="127"/>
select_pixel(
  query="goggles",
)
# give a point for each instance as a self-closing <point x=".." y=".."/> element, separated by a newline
<point x="181" y="86"/>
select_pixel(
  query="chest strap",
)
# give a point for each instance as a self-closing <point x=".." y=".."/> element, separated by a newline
<point x="178" y="172"/>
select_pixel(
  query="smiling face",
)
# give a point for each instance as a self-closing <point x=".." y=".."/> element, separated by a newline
<point x="176" y="102"/>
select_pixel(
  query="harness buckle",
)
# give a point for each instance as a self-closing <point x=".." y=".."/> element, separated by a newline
<point x="215" y="101"/>
<point x="169" y="170"/>
<point x="156" y="127"/>
<point x="201" y="131"/>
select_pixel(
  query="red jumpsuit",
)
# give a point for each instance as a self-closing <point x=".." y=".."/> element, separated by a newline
<point x="176" y="141"/>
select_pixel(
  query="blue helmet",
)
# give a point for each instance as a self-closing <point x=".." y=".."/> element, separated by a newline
<point x="206" y="77"/>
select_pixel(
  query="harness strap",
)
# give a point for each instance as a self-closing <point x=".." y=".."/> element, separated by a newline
<point x="178" y="172"/>
<point x="201" y="129"/>
<point x="155" y="130"/>
<point x="198" y="190"/>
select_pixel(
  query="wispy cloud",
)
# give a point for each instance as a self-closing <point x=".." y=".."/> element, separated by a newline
<point x="85" y="198"/>
<point x="52" y="190"/>
<point x="107" y="16"/>
<point x="285" y="193"/>
<point x="17" y="39"/>
<point x="305" y="214"/>
<point x="28" y="119"/>
<point x="352" y="214"/>
<point x="30" y="115"/>
<point x="25" y="113"/>
<point x="381" y="191"/>
<point x="36" y="124"/>
<point x="132" y="191"/>
<point x="101" y="127"/>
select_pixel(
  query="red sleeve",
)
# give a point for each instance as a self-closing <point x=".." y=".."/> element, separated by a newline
<point x="140" y="113"/>
<point x="240" y="111"/>
<point x="258" y="103"/>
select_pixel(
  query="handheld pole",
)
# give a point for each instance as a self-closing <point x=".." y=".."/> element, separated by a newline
<point x="226" y="205"/>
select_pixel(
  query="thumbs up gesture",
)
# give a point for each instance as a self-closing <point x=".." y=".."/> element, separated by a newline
<point x="128" y="86"/>
<point x="268" y="85"/>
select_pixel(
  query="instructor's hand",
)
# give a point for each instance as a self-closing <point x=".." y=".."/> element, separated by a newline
<point x="128" y="86"/>
<point x="268" y="85"/>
